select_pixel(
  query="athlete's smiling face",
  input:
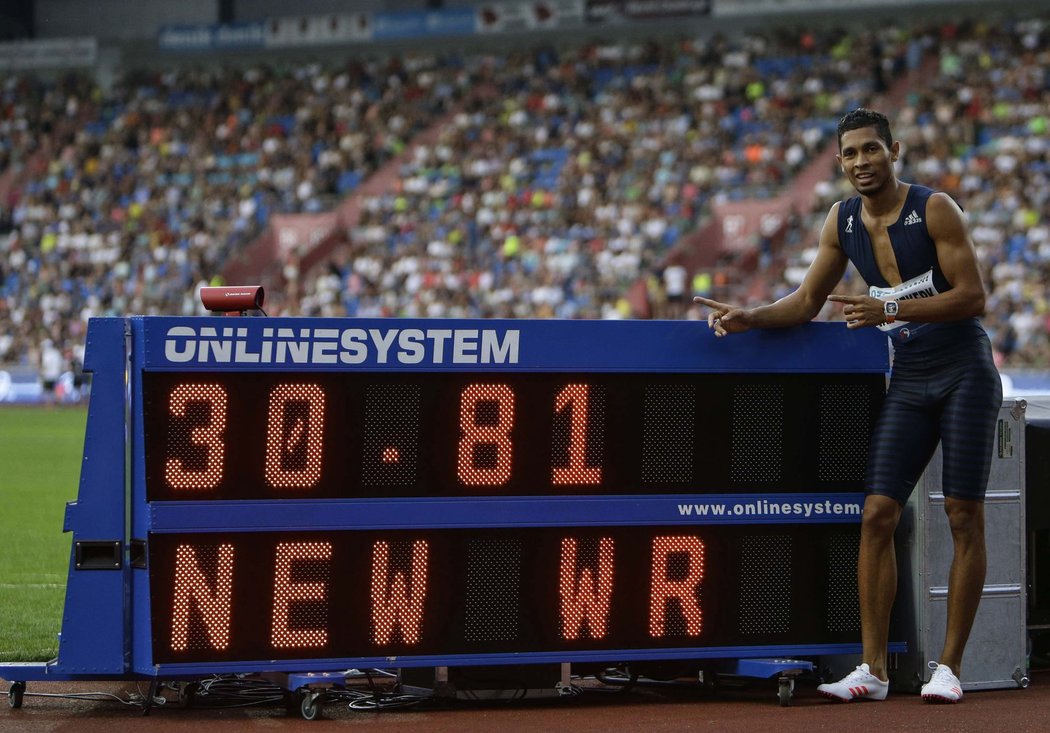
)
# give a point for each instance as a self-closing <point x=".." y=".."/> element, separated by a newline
<point x="866" y="159"/>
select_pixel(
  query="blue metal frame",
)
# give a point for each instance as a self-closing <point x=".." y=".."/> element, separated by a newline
<point x="175" y="671"/>
<point x="572" y="511"/>
<point x="106" y="628"/>
<point x="94" y="639"/>
<point x="767" y="668"/>
<point x="141" y="646"/>
<point x="412" y="345"/>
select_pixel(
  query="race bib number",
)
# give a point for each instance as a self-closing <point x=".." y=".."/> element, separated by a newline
<point x="918" y="287"/>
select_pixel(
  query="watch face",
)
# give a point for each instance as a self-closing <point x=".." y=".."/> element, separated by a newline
<point x="890" y="308"/>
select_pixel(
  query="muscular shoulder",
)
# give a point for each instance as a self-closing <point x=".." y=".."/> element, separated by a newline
<point x="829" y="234"/>
<point x="939" y="201"/>
<point x="943" y="215"/>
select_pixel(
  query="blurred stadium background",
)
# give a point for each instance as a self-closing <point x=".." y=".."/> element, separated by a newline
<point x="521" y="158"/>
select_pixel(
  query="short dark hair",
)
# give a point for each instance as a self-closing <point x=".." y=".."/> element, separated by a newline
<point x="861" y="117"/>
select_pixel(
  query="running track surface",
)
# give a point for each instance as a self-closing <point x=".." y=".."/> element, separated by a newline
<point x="651" y="709"/>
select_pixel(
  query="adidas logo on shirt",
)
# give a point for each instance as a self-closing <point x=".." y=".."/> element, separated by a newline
<point x="913" y="218"/>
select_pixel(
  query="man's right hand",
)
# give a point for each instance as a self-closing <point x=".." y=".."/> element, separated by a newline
<point x="724" y="318"/>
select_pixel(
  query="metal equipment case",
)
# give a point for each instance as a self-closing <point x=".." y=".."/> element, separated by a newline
<point x="996" y="655"/>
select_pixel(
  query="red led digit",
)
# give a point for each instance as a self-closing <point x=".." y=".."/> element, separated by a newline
<point x="299" y="436"/>
<point x="574" y="398"/>
<point x="211" y="598"/>
<point x="495" y="434"/>
<point x="287" y="591"/>
<point x="397" y="602"/>
<point x="581" y="597"/>
<point x="664" y="588"/>
<point x="210" y="436"/>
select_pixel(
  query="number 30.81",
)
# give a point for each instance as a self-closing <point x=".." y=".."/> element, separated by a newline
<point x="295" y="436"/>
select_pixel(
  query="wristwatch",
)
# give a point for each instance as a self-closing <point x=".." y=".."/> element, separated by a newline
<point x="889" y="310"/>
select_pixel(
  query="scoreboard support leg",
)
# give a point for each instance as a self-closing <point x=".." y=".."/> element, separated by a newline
<point x="94" y="639"/>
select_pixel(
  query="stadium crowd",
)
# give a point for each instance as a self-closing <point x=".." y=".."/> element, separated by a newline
<point x="125" y="201"/>
<point x="575" y="177"/>
<point x="561" y="179"/>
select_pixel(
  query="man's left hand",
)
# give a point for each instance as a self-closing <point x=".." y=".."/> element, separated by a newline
<point x="860" y="310"/>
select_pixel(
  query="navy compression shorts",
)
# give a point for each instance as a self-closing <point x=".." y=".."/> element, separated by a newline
<point x="953" y="398"/>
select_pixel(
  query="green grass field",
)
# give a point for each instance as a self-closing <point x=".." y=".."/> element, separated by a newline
<point x="40" y="452"/>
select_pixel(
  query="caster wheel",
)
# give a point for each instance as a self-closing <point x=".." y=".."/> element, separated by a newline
<point x="784" y="692"/>
<point x="15" y="694"/>
<point x="308" y="707"/>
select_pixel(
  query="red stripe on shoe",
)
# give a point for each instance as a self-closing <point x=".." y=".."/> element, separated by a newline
<point x="940" y="698"/>
<point x="833" y="696"/>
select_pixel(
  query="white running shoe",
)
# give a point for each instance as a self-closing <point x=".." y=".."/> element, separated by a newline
<point x="858" y="684"/>
<point x="943" y="687"/>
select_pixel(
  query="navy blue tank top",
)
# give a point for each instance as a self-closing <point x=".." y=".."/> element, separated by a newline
<point x="921" y="274"/>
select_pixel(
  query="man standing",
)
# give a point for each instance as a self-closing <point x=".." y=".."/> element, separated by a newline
<point x="912" y="247"/>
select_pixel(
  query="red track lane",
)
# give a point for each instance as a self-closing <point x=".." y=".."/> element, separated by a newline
<point x="648" y="709"/>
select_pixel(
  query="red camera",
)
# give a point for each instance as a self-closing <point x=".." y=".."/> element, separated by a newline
<point x="238" y="298"/>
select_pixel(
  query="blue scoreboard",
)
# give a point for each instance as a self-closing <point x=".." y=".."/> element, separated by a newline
<point x="296" y="495"/>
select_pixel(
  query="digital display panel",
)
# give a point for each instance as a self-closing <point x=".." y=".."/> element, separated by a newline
<point x="293" y="495"/>
<point x="264" y="435"/>
<point x="409" y="592"/>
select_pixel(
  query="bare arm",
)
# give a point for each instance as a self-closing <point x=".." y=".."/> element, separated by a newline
<point x="958" y="262"/>
<point x="800" y="306"/>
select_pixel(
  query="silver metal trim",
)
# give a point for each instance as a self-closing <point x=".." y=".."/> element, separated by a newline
<point x="990" y="591"/>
